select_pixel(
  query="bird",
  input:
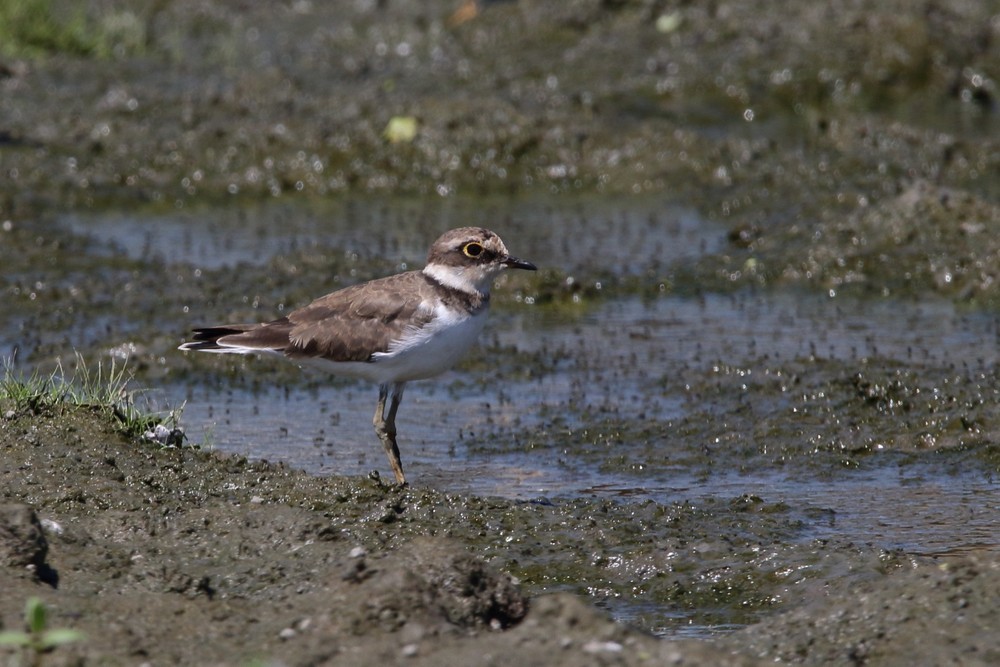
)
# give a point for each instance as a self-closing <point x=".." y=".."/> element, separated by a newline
<point x="390" y="331"/>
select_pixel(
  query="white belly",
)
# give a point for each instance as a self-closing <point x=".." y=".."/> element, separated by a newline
<point x="425" y="353"/>
<point x="433" y="350"/>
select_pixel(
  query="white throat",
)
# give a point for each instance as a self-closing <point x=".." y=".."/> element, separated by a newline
<point x="471" y="280"/>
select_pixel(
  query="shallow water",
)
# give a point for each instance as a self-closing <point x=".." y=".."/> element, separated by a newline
<point x="468" y="432"/>
<point x="615" y="356"/>
<point x="588" y="232"/>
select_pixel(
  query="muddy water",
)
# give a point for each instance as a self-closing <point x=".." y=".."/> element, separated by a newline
<point x="835" y="410"/>
<point x="589" y="233"/>
<point x="495" y="438"/>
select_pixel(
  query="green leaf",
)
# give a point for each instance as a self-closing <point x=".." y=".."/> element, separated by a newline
<point x="34" y="615"/>
<point x="14" y="639"/>
<point x="61" y="636"/>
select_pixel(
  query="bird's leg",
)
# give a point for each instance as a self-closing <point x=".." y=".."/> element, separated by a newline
<point x="385" y="426"/>
<point x="397" y="398"/>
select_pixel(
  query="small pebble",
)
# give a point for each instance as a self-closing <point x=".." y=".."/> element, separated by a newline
<point x="602" y="647"/>
<point x="50" y="526"/>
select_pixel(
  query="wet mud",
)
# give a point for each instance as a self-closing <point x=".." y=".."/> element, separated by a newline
<point x="174" y="555"/>
<point x="711" y="478"/>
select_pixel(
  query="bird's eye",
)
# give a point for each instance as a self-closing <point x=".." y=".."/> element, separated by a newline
<point x="472" y="249"/>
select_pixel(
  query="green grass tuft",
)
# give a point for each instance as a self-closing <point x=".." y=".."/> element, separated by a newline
<point x="105" y="388"/>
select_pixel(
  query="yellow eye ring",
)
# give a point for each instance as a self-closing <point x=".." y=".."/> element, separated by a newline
<point x="473" y="249"/>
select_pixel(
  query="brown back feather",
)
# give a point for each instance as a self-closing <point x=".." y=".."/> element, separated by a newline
<point x="347" y="325"/>
<point x="352" y="323"/>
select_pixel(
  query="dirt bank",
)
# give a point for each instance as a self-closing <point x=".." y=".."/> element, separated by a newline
<point x="168" y="556"/>
<point x="177" y="556"/>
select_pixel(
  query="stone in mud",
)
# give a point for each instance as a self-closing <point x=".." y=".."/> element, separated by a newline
<point x="22" y="541"/>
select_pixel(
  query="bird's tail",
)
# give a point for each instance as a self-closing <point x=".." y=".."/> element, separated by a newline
<point x="206" y="339"/>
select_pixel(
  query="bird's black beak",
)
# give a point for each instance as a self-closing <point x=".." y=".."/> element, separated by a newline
<point x="515" y="263"/>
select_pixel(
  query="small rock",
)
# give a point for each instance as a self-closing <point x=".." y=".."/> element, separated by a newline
<point x="602" y="647"/>
<point x="167" y="437"/>
<point x="51" y="526"/>
<point x="22" y="540"/>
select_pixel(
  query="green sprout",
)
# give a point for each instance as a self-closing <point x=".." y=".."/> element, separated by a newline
<point x="37" y="641"/>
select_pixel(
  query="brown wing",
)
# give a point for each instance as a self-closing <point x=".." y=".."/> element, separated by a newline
<point x="352" y="323"/>
<point x="346" y="325"/>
